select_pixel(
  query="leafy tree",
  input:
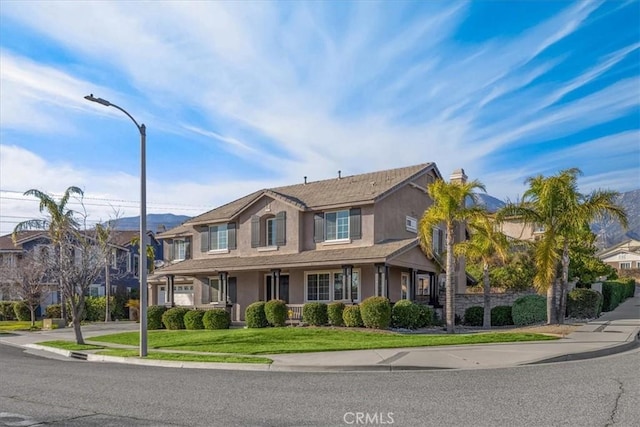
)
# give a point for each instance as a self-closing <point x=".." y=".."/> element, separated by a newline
<point x="555" y="204"/>
<point x="585" y="267"/>
<point x="449" y="208"/>
<point x="27" y="278"/>
<point x="484" y="245"/>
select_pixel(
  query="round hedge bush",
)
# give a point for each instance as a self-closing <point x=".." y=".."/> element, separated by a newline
<point x="584" y="303"/>
<point x="334" y="313"/>
<point x="501" y="316"/>
<point x="217" y="318"/>
<point x="405" y="314"/>
<point x="474" y="316"/>
<point x="53" y="311"/>
<point x="21" y="311"/>
<point x="315" y="314"/>
<point x="529" y="309"/>
<point x="376" y="312"/>
<point x="426" y="316"/>
<point x="174" y="318"/>
<point x="255" y="316"/>
<point x="193" y="319"/>
<point x="6" y="311"/>
<point x="154" y="316"/>
<point x="276" y="312"/>
<point x="351" y="316"/>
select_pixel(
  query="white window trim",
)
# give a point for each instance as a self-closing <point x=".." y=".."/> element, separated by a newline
<point x="411" y="224"/>
<point x="338" y="240"/>
<point x="404" y="276"/>
<point x="222" y="293"/>
<point x="331" y="286"/>
<point x="626" y="265"/>
<point x="268" y="248"/>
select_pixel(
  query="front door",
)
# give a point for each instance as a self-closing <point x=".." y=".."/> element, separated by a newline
<point x="233" y="290"/>
<point x="284" y="288"/>
<point x="162" y="295"/>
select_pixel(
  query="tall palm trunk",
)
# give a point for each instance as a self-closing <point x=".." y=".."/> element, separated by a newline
<point x="564" y="282"/>
<point x="486" y="321"/>
<point x="449" y="282"/>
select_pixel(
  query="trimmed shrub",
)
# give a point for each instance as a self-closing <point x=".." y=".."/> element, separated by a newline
<point x="426" y="316"/>
<point x="255" y="316"/>
<point x="474" y="316"/>
<point x="154" y="316"/>
<point x="584" y="303"/>
<point x="193" y="319"/>
<point x="94" y="308"/>
<point x="529" y="309"/>
<point x="218" y="318"/>
<point x="405" y="314"/>
<point x="6" y="311"/>
<point x="53" y="311"/>
<point x="315" y="314"/>
<point x="174" y="318"/>
<point x="276" y="312"/>
<point x="501" y="316"/>
<point x="376" y="312"/>
<point x="616" y="291"/>
<point x="334" y="313"/>
<point x="22" y="312"/>
<point x="351" y="316"/>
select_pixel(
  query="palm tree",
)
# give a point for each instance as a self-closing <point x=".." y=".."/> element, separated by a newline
<point x="59" y="223"/>
<point x="449" y="208"/>
<point x="555" y="205"/>
<point x="484" y="245"/>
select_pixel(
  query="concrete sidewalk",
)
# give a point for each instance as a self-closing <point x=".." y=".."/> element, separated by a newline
<point x="613" y="332"/>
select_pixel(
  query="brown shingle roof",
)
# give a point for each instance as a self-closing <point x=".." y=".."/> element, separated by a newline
<point x="6" y="243"/>
<point x="348" y="190"/>
<point x="380" y="252"/>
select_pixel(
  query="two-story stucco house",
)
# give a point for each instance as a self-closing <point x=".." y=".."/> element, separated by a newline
<point x="341" y="239"/>
<point x="623" y="256"/>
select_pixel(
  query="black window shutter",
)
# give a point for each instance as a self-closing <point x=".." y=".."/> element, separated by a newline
<point x="281" y="232"/>
<point x="231" y="235"/>
<point x="204" y="240"/>
<point x="355" y="223"/>
<point x="318" y="228"/>
<point x="255" y="231"/>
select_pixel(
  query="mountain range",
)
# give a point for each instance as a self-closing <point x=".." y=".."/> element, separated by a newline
<point x="609" y="232"/>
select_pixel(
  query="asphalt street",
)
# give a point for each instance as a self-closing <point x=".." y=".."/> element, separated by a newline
<point x="60" y="392"/>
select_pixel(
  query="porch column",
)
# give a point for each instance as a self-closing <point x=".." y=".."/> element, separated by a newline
<point x="275" y="283"/>
<point x="382" y="288"/>
<point x="224" y="287"/>
<point x="412" y="285"/>
<point x="170" y="288"/>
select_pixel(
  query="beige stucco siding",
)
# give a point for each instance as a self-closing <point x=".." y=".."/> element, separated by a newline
<point x="391" y="213"/>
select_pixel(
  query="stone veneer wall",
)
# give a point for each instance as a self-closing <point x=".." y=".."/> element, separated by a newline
<point x="464" y="301"/>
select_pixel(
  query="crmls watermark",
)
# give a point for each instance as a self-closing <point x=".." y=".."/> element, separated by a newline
<point x="368" y="418"/>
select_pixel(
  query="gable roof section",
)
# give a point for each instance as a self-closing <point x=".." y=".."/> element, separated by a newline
<point x="345" y="191"/>
<point x="6" y="243"/>
<point x="630" y="245"/>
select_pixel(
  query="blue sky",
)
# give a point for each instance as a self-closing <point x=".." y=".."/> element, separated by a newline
<point x="239" y="96"/>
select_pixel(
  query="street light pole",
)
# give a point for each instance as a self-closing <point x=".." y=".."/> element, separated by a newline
<point x="143" y="221"/>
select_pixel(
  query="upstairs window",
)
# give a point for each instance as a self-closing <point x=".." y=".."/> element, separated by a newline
<point x="270" y="225"/>
<point x="269" y="231"/>
<point x="179" y="250"/>
<point x="336" y="225"/>
<point x="220" y="237"/>
<point x="438" y="240"/>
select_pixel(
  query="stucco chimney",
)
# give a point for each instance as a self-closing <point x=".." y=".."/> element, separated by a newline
<point x="458" y="175"/>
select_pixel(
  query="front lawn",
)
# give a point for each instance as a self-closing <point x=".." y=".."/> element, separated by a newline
<point x="303" y="340"/>
<point x="19" y="325"/>
<point x="187" y="357"/>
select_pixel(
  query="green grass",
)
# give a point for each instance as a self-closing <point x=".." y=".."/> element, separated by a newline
<point x="301" y="340"/>
<point x="184" y="357"/>
<point x="70" y="345"/>
<point x="19" y="325"/>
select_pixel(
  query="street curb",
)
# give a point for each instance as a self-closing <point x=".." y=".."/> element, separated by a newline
<point x="61" y="352"/>
<point x="593" y="354"/>
<point x="178" y="364"/>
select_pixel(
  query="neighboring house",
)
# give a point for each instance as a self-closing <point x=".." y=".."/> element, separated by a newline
<point x="623" y="256"/>
<point x="123" y="262"/>
<point x="341" y="239"/>
<point x="516" y="230"/>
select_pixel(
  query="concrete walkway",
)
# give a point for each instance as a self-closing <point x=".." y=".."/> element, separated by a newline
<point x="613" y="332"/>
